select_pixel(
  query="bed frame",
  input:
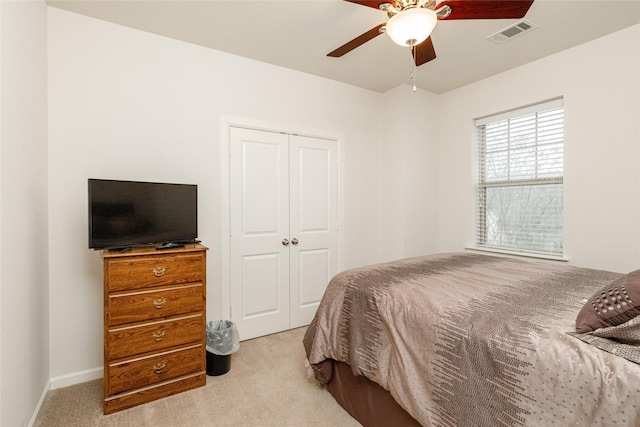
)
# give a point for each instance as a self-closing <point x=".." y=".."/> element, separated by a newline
<point x="365" y="400"/>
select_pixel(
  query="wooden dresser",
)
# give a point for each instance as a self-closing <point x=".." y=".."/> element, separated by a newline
<point x="154" y="324"/>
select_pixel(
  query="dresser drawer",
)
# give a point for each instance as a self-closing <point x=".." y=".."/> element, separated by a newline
<point x="130" y="307"/>
<point x="155" y="336"/>
<point x="141" y="272"/>
<point x="146" y="371"/>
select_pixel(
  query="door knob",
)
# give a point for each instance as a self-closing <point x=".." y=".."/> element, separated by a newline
<point x="294" y="241"/>
<point x="285" y="242"/>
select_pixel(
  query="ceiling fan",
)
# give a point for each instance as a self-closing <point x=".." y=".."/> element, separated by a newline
<point x="411" y="21"/>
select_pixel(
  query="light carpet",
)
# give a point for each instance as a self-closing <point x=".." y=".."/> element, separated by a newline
<point x="267" y="385"/>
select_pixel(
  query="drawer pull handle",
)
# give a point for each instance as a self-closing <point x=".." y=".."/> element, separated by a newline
<point x="159" y="271"/>
<point x="159" y="303"/>
<point x="158" y="335"/>
<point x="158" y="367"/>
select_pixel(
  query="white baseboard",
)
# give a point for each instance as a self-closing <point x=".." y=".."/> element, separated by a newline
<point x="76" y="378"/>
<point x="65" y="381"/>
<point x="47" y="387"/>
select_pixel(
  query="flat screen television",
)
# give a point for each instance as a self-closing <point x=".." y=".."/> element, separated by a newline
<point x="125" y="214"/>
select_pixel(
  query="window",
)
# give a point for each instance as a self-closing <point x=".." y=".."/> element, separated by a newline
<point x="520" y="174"/>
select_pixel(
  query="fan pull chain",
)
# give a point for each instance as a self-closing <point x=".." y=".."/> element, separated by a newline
<point x="412" y="74"/>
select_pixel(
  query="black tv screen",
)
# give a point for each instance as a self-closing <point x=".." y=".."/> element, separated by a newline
<point x="125" y="214"/>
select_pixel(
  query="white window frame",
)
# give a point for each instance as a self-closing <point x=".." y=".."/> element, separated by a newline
<point x="506" y="179"/>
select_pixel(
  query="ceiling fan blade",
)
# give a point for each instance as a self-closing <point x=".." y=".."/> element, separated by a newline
<point x="424" y="52"/>
<point x="374" y="4"/>
<point x="358" y="41"/>
<point x="486" y="9"/>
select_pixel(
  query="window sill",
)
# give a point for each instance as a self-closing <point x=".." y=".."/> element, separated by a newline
<point x="561" y="258"/>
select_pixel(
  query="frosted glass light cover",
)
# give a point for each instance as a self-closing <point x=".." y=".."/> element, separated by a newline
<point x="412" y="26"/>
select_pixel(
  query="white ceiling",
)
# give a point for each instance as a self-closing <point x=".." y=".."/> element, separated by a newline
<point x="298" y="35"/>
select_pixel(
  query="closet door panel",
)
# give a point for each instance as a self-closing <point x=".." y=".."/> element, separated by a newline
<point x="313" y="223"/>
<point x="260" y="285"/>
<point x="259" y="211"/>
<point x="314" y="271"/>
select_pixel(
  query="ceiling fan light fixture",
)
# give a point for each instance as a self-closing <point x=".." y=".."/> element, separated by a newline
<point x="412" y="26"/>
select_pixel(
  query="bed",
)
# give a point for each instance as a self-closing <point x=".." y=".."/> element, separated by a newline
<point x="463" y="339"/>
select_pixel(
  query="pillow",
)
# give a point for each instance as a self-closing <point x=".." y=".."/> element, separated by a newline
<point x="622" y="340"/>
<point x="616" y="303"/>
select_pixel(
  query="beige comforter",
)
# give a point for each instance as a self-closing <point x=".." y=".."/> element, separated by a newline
<point x="472" y="340"/>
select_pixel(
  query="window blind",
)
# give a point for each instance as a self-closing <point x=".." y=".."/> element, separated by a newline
<point x="520" y="179"/>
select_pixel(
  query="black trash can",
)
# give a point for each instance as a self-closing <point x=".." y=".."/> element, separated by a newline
<point x="218" y="365"/>
<point x="223" y="340"/>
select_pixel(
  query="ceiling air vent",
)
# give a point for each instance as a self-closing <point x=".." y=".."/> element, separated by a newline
<point x="512" y="31"/>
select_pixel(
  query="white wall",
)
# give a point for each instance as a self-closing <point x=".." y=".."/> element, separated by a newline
<point x="410" y="171"/>
<point x="126" y="104"/>
<point x="24" y="326"/>
<point x="600" y="85"/>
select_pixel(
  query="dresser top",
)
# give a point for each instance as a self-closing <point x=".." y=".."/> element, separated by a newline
<point x="189" y="247"/>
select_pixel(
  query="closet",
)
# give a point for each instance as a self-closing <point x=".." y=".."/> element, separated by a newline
<point x="283" y="226"/>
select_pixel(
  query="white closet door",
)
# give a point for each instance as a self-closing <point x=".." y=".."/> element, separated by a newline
<point x="259" y="192"/>
<point x="313" y="223"/>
